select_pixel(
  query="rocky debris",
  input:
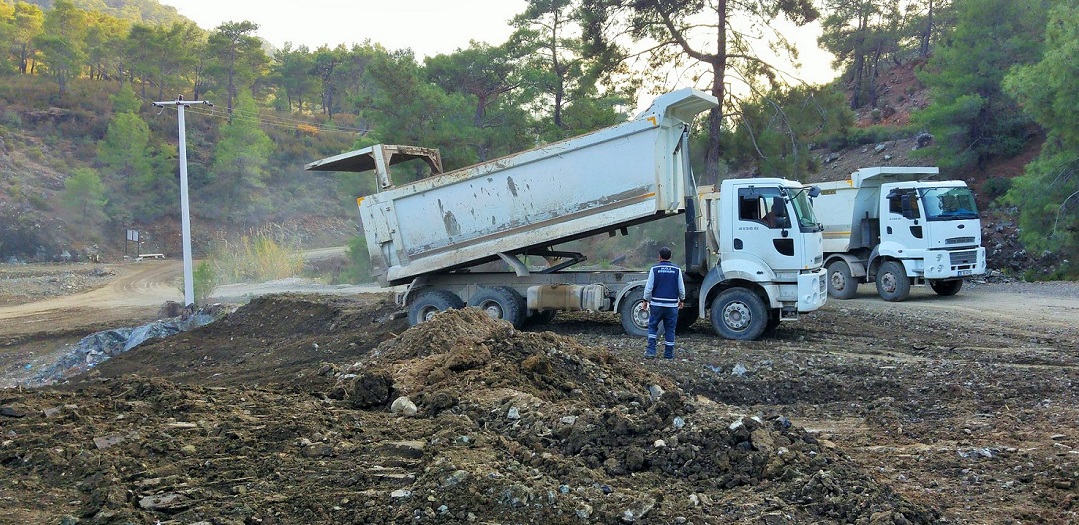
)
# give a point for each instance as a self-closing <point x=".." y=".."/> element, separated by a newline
<point x="122" y="448"/>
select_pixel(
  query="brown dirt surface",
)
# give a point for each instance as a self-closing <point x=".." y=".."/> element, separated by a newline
<point x="935" y="410"/>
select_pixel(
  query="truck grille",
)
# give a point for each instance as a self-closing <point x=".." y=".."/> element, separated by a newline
<point x="959" y="240"/>
<point x="965" y="257"/>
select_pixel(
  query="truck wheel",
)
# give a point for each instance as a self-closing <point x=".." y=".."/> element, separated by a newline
<point x="501" y="302"/>
<point x="892" y="282"/>
<point x="634" y="318"/>
<point x="946" y="288"/>
<point x="840" y="283"/>
<point x="739" y="314"/>
<point x="430" y="303"/>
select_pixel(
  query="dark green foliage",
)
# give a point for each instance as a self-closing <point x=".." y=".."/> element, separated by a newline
<point x="84" y="199"/>
<point x="774" y="131"/>
<point x="971" y="118"/>
<point x="1047" y="194"/>
<point x="860" y="33"/>
<point x="237" y="177"/>
<point x="996" y="187"/>
<point x="677" y="38"/>
<point x="489" y="78"/>
<point x="849" y="137"/>
<point x="404" y="108"/>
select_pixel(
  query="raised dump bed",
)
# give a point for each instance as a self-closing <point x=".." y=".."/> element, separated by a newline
<point x="602" y="181"/>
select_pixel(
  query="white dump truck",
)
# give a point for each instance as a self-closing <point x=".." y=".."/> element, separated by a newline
<point x="753" y="249"/>
<point x="897" y="227"/>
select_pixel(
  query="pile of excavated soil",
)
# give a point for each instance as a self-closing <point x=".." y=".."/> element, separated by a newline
<point x="290" y="410"/>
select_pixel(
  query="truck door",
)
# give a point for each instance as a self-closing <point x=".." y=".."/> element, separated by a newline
<point x="764" y="228"/>
<point x="903" y="223"/>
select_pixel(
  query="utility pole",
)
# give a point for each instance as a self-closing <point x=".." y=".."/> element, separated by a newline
<point x="185" y="214"/>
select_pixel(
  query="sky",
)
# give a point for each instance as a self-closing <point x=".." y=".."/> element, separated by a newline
<point x="428" y="27"/>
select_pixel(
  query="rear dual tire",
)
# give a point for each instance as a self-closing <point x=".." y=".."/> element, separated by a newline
<point x="432" y="302"/>
<point x="501" y="302"/>
<point x="634" y="316"/>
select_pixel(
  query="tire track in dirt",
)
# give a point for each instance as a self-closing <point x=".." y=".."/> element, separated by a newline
<point x="139" y="291"/>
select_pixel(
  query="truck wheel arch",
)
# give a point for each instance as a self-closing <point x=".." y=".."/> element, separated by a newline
<point x="716" y="282"/>
<point x="856" y="265"/>
<point x="845" y="273"/>
<point x="629" y="287"/>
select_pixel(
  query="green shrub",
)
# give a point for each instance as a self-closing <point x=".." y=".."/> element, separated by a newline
<point x="204" y="282"/>
<point x="38" y="202"/>
<point x="11" y="118"/>
<point x="996" y="187"/>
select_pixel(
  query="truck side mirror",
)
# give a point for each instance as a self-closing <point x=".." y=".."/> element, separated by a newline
<point x="779" y="212"/>
<point x="814" y="192"/>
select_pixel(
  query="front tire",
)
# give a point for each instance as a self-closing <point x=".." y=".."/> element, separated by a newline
<point x="893" y="285"/>
<point x="840" y="283"/>
<point x="946" y="288"/>
<point x="739" y="314"/>
<point x="500" y="302"/>
<point x="430" y="303"/>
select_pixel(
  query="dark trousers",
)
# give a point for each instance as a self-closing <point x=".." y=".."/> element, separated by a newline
<point x="668" y="315"/>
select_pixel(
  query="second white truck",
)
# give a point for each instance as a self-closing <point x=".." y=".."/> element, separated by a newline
<point x="752" y="250"/>
<point x="897" y="227"/>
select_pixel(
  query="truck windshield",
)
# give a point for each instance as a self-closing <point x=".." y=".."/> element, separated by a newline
<point x="807" y="220"/>
<point x="946" y="204"/>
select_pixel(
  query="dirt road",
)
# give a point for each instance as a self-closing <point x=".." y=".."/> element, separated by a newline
<point x="137" y="292"/>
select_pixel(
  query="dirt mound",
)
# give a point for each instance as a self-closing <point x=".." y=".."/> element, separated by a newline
<point x="274" y="340"/>
<point x="510" y="427"/>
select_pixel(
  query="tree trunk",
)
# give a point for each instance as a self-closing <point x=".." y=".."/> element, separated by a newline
<point x="24" y="59"/>
<point x="713" y="153"/>
<point x="477" y="120"/>
<point x="928" y="31"/>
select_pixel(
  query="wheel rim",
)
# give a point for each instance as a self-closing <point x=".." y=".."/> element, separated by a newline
<point x="640" y="315"/>
<point x="736" y="316"/>
<point x="838" y="282"/>
<point x="888" y="282"/>
<point x="493" y="310"/>
<point x="428" y="313"/>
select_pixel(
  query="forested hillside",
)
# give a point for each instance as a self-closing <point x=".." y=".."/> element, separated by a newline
<point x="84" y="155"/>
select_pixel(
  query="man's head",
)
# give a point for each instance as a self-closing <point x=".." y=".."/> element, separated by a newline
<point x="665" y="254"/>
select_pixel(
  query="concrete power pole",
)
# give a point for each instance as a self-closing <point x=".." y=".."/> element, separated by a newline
<point x="185" y="214"/>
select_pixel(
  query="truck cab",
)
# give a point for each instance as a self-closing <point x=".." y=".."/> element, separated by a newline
<point x="899" y="227"/>
<point x="762" y="235"/>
